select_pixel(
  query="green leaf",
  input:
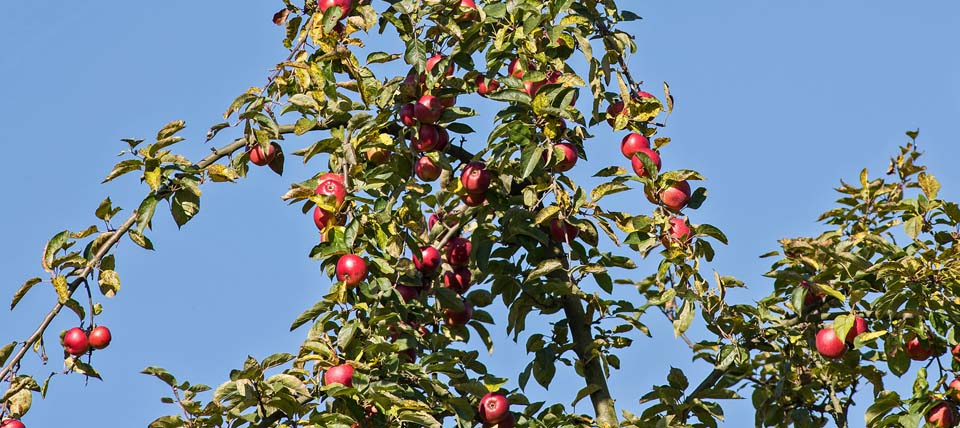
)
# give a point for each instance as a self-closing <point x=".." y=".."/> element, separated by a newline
<point x="883" y="404"/>
<point x="677" y="379"/>
<point x="544" y="268"/>
<point x="913" y="226"/>
<point x="109" y="282"/>
<point x="546" y="213"/>
<point x="682" y="323"/>
<point x="50" y="251"/>
<point x="607" y="189"/>
<point x="929" y="185"/>
<point x="145" y="212"/>
<point x="419" y="418"/>
<point x="83" y="368"/>
<point x="22" y="291"/>
<point x="123" y="167"/>
<point x="6" y="351"/>
<point x="309" y="315"/>
<point x="170" y="129"/>
<point x="867" y="338"/>
<point x="584" y="392"/>
<point x="105" y="210"/>
<point x="161" y="374"/>
<point x="63" y="290"/>
<point x="711" y="231"/>
<point x="184" y="206"/>
<point x="139" y="239"/>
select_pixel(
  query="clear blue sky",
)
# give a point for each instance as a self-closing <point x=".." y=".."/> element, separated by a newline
<point x="775" y="104"/>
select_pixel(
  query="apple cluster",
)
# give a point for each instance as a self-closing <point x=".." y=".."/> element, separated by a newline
<point x="78" y="341"/>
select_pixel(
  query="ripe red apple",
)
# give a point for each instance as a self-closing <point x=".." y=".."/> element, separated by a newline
<point x="474" y="200"/>
<point x="943" y="415"/>
<point x="814" y="295"/>
<point x="829" y="345"/>
<point x="351" y="269"/>
<point x="458" y="318"/>
<point x="431" y="260"/>
<point x="344" y="6"/>
<point x="432" y="62"/>
<point x="569" y="157"/>
<point x="75" y="341"/>
<point x="458" y="280"/>
<point x="517" y="70"/>
<point x="321" y="217"/>
<point x="916" y="351"/>
<point x="613" y="111"/>
<point x="494" y="407"/>
<point x="436" y="218"/>
<point x="342" y="374"/>
<point x="426" y="169"/>
<point x="638" y="164"/>
<point x="632" y="143"/>
<point x="471" y="10"/>
<point x="448" y="100"/>
<point x="859" y="327"/>
<point x="485" y="86"/>
<point x="561" y="234"/>
<point x="407" y="293"/>
<point x="953" y="389"/>
<point x="411" y="86"/>
<point x="679" y="231"/>
<point x="99" y="337"/>
<point x="431" y="138"/>
<point x="332" y="188"/>
<point x="458" y="251"/>
<point x="676" y="196"/>
<point x="331" y="176"/>
<point x="428" y="109"/>
<point x="406" y="115"/>
<point x="475" y="178"/>
<point x="259" y="158"/>
<point x="12" y="423"/>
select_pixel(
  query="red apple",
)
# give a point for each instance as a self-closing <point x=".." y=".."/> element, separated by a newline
<point x="407" y="293"/>
<point x="638" y="164"/>
<point x="676" y="196"/>
<point x="332" y="188"/>
<point x="953" y="389"/>
<point x="411" y="86"/>
<point x="471" y="10"/>
<point x="458" y="251"/>
<point x="259" y="158"/>
<point x="507" y="422"/>
<point x="679" y="231"/>
<point x="516" y="70"/>
<point x="916" y="351"/>
<point x="632" y="143"/>
<point x="431" y="260"/>
<point x="859" y="327"/>
<point x="75" y="341"/>
<point x="569" y="157"/>
<point x="342" y="374"/>
<point x="485" y="86"/>
<point x="344" y="6"/>
<point x="351" y="269"/>
<point x="474" y="200"/>
<point x="406" y="115"/>
<point x="561" y="234"/>
<point x="458" y="280"/>
<point x="448" y="100"/>
<point x="531" y="88"/>
<point x="428" y="138"/>
<point x="321" y="217"/>
<point x="12" y="423"/>
<point x="428" y="109"/>
<point x="814" y="295"/>
<point x="99" y="337"/>
<point x="426" y="169"/>
<point x="458" y="318"/>
<point x="494" y="407"/>
<point x="436" y="218"/>
<point x="432" y="62"/>
<point x="829" y="345"/>
<point x="613" y="111"/>
<point x="642" y="95"/>
<point x="331" y="176"/>
<point x="475" y="178"/>
<point x="943" y="415"/>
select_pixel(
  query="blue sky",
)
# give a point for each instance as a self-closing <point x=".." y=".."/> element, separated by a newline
<point x="775" y="104"/>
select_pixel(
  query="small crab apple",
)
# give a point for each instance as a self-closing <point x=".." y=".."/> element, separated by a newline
<point x="638" y="164"/>
<point x="351" y="269"/>
<point x="75" y="341"/>
<point x="632" y="143"/>
<point x="259" y="158"/>
<point x="829" y="345"/>
<point x="458" y="251"/>
<point x="563" y="233"/>
<point x="430" y="261"/>
<point x="99" y="337"/>
<point x="494" y="407"/>
<point x="676" y="196"/>
<point x="428" y="109"/>
<point x="341" y="374"/>
<point x="426" y="169"/>
<point x="458" y="318"/>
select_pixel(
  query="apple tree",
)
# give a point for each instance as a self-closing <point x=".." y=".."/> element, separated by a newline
<point x="423" y="225"/>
